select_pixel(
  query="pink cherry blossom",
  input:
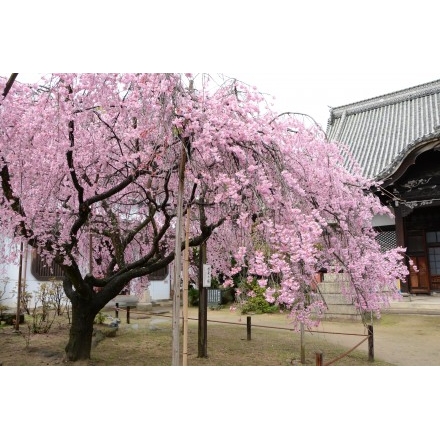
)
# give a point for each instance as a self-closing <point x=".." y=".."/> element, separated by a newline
<point x="96" y="157"/>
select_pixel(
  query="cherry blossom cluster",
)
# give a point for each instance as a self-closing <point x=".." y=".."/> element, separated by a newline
<point x="90" y="168"/>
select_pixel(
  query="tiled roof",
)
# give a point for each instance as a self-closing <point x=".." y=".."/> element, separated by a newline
<point x="381" y="131"/>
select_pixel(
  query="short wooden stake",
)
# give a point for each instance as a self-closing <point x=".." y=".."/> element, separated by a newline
<point x="116" y="310"/>
<point x="318" y="358"/>
<point x="303" y="347"/>
<point x="370" y="344"/>
<point x="128" y="314"/>
<point x="248" y="326"/>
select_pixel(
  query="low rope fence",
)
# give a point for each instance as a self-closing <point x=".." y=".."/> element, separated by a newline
<point x="248" y="324"/>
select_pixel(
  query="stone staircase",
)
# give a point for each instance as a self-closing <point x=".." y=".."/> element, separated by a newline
<point x="338" y="306"/>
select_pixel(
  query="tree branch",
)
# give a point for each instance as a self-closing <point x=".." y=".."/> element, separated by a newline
<point x="9" y="84"/>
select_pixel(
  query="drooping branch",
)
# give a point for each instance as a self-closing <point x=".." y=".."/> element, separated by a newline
<point x="13" y="200"/>
<point x="8" y="85"/>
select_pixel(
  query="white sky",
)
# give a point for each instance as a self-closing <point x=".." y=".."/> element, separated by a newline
<point x="329" y="53"/>
<point x="314" y="93"/>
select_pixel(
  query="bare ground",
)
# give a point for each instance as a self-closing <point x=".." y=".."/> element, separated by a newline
<point x="410" y="340"/>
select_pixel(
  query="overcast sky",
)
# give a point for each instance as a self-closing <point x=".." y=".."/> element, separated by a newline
<point x="314" y="94"/>
<point x="330" y="53"/>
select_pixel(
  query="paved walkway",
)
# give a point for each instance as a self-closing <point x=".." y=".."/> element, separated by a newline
<point x="412" y="304"/>
<point x="410" y="339"/>
<point x="416" y="304"/>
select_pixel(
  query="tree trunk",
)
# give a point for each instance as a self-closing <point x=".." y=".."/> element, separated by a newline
<point x="81" y="330"/>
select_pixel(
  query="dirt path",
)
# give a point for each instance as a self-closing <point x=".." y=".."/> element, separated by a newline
<point x="404" y="340"/>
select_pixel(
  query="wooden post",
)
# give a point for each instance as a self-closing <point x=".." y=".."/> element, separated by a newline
<point x="185" y="150"/>
<point x="370" y="344"/>
<point x="248" y="326"/>
<point x="203" y="307"/>
<point x="303" y="347"/>
<point x="178" y="262"/>
<point x="185" y="290"/>
<point x="128" y="314"/>
<point x="116" y="310"/>
<point x="19" y="288"/>
<point x="400" y="239"/>
<point x="319" y="356"/>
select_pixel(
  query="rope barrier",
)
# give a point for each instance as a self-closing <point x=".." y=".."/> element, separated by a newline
<point x="346" y="353"/>
<point x="242" y="323"/>
<point x="266" y="326"/>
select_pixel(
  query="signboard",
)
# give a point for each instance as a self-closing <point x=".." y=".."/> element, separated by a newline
<point x="206" y="275"/>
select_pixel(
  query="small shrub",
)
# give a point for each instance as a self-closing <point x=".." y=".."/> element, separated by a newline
<point x="3" y="309"/>
<point x="228" y="296"/>
<point x="193" y="296"/>
<point x="27" y="335"/>
<point x="3" y="288"/>
<point x="252" y="299"/>
<point x="99" y="318"/>
<point x="57" y="295"/>
<point x="43" y="315"/>
<point x="257" y="304"/>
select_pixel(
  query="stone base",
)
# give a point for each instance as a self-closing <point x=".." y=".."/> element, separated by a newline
<point x="144" y="306"/>
<point x="145" y="303"/>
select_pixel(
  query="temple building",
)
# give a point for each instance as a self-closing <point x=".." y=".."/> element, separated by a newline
<point x="395" y="138"/>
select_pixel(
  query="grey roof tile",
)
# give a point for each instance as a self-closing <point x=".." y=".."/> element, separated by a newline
<point x="380" y="131"/>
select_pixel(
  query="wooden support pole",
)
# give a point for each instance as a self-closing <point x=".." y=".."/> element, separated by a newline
<point x="303" y="347"/>
<point x="248" y="327"/>
<point x="203" y="308"/>
<point x="185" y="290"/>
<point x="370" y="344"/>
<point x="116" y="310"/>
<point x="128" y="314"/>
<point x="178" y="263"/>
<point x="19" y="288"/>
<point x="319" y="357"/>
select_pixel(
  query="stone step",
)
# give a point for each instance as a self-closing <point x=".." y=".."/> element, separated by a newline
<point x="335" y="298"/>
<point x="338" y="306"/>
<point x="335" y="277"/>
<point x="345" y="309"/>
<point x="342" y="316"/>
<point x="330" y="287"/>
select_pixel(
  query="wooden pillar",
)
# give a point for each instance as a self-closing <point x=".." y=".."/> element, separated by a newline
<point x="400" y="238"/>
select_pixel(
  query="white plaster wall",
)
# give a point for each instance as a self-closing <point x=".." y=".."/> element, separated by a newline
<point x="383" y="220"/>
<point x="11" y="273"/>
<point x="160" y="290"/>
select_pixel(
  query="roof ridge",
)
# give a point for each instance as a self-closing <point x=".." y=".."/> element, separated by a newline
<point x="388" y="98"/>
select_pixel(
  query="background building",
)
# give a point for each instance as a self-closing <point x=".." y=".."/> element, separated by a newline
<point x="395" y="138"/>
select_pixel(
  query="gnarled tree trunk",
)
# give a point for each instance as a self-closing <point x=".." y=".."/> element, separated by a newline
<point x="81" y="330"/>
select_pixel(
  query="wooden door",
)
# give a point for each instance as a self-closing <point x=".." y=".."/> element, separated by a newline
<point x="419" y="281"/>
